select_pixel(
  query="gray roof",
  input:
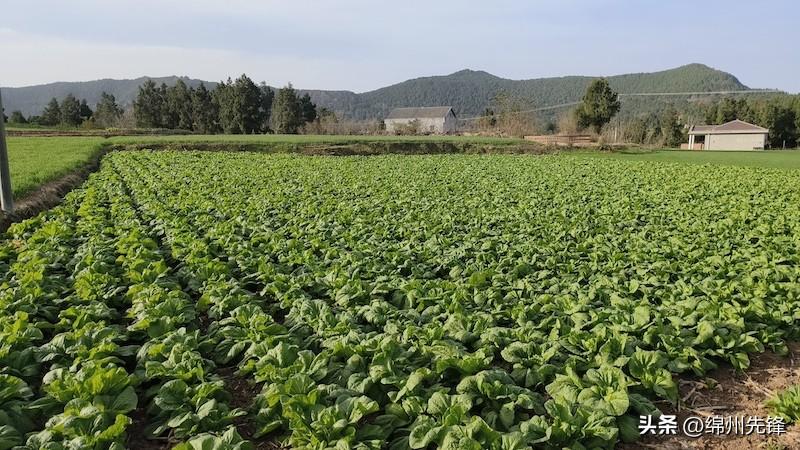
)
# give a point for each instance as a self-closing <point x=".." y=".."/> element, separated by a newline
<point x="733" y="127"/>
<point x="433" y="112"/>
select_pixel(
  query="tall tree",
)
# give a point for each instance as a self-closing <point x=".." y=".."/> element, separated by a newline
<point x="248" y="101"/>
<point x="286" y="114"/>
<point x="267" y="97"/>
<point x="225" y="98"/>
<point x="796" y="102"/>
<point x="727" y="111"/>
<point x="204" y="111"/>
<point x="671" y="128"/>
<point x="169" y="117"/>
<point x="240" y="106"/>
<point x="600" y="104"/>
<point x="179" y="106"/>
<point x="781" y="121"/>
<point x="86" y="111"/>
<point x="308" y="110"/>
<point x="70" y="111"/>
<point x="17" y="117"/>
<point x="52" y="113"/>
<point x="107" y="112"/>
<point x="148" y="106"/>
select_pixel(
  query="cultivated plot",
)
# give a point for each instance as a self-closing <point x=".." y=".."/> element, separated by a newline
<point x="387" y="302"/>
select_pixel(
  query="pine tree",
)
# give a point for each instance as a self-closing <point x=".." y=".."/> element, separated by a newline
<point x="51" y="115"/>
<point x="147" y="108"/>
<point x="727" y="111"/>
<point x="86" y="111"/>
<point x="286" y="114"/>
<point x="70" y="111"/>
<point x="267" y="97"/>
<point x="179" y="106"/>
<point x="240" y="106"/>
<point x="224" y="97"/>
<point x="17" y="117"/>
<point x="107" y="112"/>
<point x="308" y="110"/>
<point x="248" y="101"/>
<point x="671" y="128"/>
<point x="204" y="111"/>
<point x="600" y="104"/>
<point x="781" y="122"/>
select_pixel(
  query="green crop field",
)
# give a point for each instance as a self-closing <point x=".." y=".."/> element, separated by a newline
<point x="778" y="159"/>
<point x="35" y="161"/>
<point x="231" y="300"/>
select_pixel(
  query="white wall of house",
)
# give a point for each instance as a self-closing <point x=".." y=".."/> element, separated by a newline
<point x="736" y="141"/>
<point x="426" y="125"/>
<point x="437" y="125"/>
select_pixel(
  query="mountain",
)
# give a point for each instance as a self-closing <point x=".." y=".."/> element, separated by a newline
<point x="468" y="91"/>
<point x="33" y="99"/>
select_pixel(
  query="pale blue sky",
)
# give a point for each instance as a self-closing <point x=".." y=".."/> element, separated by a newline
<point x="365" y="44"/>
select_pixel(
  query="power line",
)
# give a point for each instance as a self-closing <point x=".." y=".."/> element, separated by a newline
<point x="637" y="94"/>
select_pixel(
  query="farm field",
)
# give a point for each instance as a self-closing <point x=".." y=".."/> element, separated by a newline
<point x="500" y="302"/>
<point x="312" y="139"/>
<point x="777" y="159"/>
<point x="35" y="161"/>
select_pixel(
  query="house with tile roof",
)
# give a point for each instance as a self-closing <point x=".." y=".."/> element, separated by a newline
<point x="734" y="135"/>
<point x="433" y="120"/>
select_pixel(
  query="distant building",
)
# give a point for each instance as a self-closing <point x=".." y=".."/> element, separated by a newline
<point x="735" y="135"/>
<point x="436" y="120"/>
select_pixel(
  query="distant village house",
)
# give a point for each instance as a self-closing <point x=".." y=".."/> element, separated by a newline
<point x="735" y="135"/>
<point x="434" y="120"/>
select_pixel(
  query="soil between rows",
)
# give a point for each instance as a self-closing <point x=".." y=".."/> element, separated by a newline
<point x="725" y="392"/>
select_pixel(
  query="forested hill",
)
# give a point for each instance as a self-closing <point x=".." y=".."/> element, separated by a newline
<point x="470" y="92"/>
<point x="33" y="99"/>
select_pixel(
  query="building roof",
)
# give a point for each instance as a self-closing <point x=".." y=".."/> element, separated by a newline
<point x="434" y="112"/>
<point x="733" y="127"/>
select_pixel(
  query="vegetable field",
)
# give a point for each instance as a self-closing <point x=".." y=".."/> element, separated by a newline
<point x="453" y="302"/>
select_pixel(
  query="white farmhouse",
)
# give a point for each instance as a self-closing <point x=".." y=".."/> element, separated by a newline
<point x="436" y="120"/>
<point x="735" y="135"/>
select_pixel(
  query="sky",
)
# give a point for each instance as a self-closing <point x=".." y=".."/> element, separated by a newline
<point x="361" y="45"/>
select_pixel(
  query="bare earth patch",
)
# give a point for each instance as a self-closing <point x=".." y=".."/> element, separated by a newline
<point x="725" y="392"/>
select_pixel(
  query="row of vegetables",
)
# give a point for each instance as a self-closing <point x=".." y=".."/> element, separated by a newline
<point x="388" y="302"/>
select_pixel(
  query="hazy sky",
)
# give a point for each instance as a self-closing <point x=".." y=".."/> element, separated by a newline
<point x="365" y="44"/>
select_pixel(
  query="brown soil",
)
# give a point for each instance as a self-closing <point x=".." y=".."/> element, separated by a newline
<point x="50" y="194"/>
<point x="137" y="438"/>
<point x="352" y="148"/>
<point x="725" y="392"/>
<point x="243" y="392"/>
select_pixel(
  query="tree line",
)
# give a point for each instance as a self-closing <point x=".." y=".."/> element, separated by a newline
<point x="233" y="107"/>
<point x="69" y="112"/>
<point x="780" y="114"/>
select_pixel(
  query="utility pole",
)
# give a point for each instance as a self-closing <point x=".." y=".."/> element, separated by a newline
<point x="6" y="197"/>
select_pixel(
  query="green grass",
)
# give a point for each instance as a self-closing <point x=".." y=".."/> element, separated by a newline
<point x="35" y="161"/>
<point x="776" y="159"/>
